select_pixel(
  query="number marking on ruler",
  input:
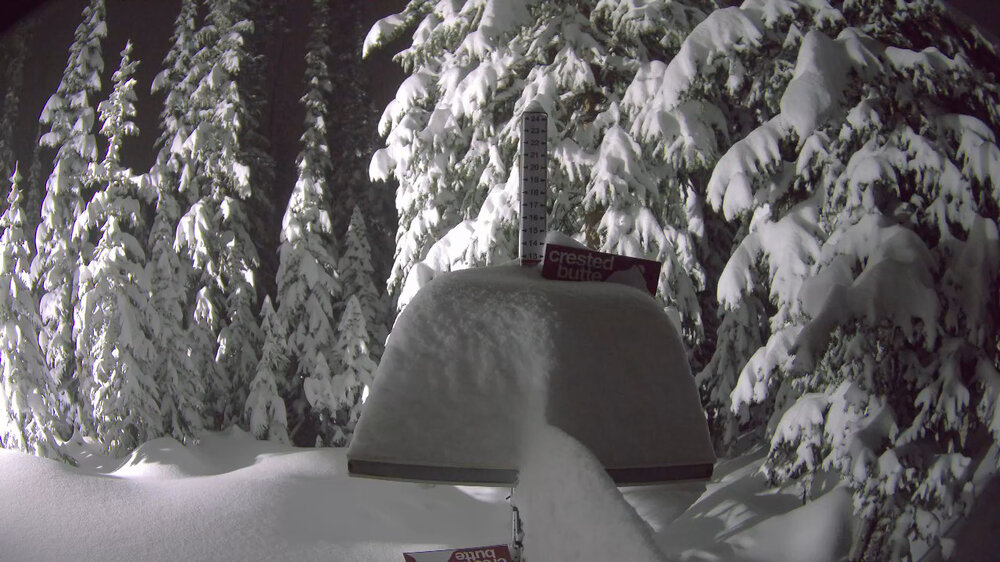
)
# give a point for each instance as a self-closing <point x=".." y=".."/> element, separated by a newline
<point x="534" y="161"/>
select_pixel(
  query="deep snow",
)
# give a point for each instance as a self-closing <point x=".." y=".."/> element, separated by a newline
<point x="482" y="357"/>
<point x="234" y="498"/>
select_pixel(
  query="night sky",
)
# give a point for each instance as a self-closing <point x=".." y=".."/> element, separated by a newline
<point x="149" y="24"/>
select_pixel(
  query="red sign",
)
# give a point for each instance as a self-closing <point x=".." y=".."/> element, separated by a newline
<point x="496" y="553"/>
<point x="566" y="263"/>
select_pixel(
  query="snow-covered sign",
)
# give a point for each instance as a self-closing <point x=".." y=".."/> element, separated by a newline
<point x="496" y="553"/>
<point x="566" y="263"/>
<point x="534" y="162"/>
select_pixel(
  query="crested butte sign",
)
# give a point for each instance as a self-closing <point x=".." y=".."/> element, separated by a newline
<point x="566" y="263"/>
<point x="497" y="553"/>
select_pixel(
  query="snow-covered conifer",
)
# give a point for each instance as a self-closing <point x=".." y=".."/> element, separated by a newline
<point x="265" y="407"/>
<point x="309" y="288"/>
<point x="857" y="186"/>
<point x="356" y="369"/>
<point x="181" y="381"/>
<point x="356" y="270"/>
<point x="180" y="372"/>
<point x="214" y="232"/>
<point x="453" y="133"/>
<point x="69" y="116"/>
<point x="337" y="398"/>
<point x="26" y="421"/>
<point x="825" y="175"/>
<point x="112" y="319"/>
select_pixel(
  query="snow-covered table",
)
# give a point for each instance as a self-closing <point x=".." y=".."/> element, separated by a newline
<point x="481" y="359"/>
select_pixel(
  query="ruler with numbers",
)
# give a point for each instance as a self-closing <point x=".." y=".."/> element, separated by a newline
<point x="534" y="161"/>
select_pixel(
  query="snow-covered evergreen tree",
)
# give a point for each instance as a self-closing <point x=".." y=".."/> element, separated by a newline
<point x="309" y="288"/>
<point x="857" y="187"/>
<point x="825" y="175"/>
<point x="113" y="317"/>
<point x="26" y="416"/>
<point x="356" y="368"/>
<point x="69" y="116"/>
<point x="181" y="381"/>
<point x="180" y="378"/>
<point x="337" y="399"/>
<point x="265" y="407"/>
<point x="454" y="127"/>
<point x="213" y="233"/>
<point x="356" y="270"/>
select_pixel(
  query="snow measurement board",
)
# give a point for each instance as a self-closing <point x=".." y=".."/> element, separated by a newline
<point x="534" y="161"/>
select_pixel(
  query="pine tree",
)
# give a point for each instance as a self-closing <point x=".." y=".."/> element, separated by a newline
<point x="356" y="270"/>
<point x="453" y="133"/>
<point x="182" y="385"/>
<point x="265" y="407"/>
<point x="177" y="82"/>
<point x="864" y="200"/>
<point x="26" y="415"/>
<point x="825" y="177"/>
<point x="213" y="233"/>
<point x="309" y="288"/>
<point x="337" y="398"/>
<point x="69" y="115"/>
<point x="113" y="317"/>
<point x="356" y="368"/>
<point x="181" y="381"/>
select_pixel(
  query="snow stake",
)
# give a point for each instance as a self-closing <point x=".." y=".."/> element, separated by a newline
<point x="534" y="164"/>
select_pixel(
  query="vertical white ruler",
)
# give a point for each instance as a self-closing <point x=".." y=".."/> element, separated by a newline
<point x="534" y="162"/>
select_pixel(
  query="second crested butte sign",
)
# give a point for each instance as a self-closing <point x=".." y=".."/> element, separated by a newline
<point x="498" y="553"/>
<point x="566" y="263"/>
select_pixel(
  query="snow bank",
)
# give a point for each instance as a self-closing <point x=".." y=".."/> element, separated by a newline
<point x="481" y="357"/>
<point x="229" y="498"/>
<point x="560" y="522"/>
<point x="232" y="498"/>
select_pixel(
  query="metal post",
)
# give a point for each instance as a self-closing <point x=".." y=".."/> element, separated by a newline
<point x="534" y="164"/>
<point x="516" y="531"/>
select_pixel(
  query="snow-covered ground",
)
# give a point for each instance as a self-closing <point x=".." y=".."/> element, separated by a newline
<point x="235" y="498"/>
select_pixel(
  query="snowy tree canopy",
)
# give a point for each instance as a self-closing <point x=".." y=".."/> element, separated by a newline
<point x="309" y="287"/>
<point x="26" y="411"/>
<point x="820" y="181"/>
<point x="213" y="234"/>
<point x="356" y="271"/>
<point x="265" y="408"/>
<point x="112" y="320"/>
<point x="70" y="118"/>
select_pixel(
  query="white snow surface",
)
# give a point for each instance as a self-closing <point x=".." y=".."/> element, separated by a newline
<point x="233" y="498"/>
<point x="481" y="357"/>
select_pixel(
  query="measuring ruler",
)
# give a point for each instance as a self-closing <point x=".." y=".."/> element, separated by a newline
<point x="534" y="162"/>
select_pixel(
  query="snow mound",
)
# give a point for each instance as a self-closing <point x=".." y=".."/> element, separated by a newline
<point x="265" y="501"/>
<point x="163" y="458"/>
<point x="480" y="358"/>
<point x="255" y="501"/>
<point x="554" y="471"/>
